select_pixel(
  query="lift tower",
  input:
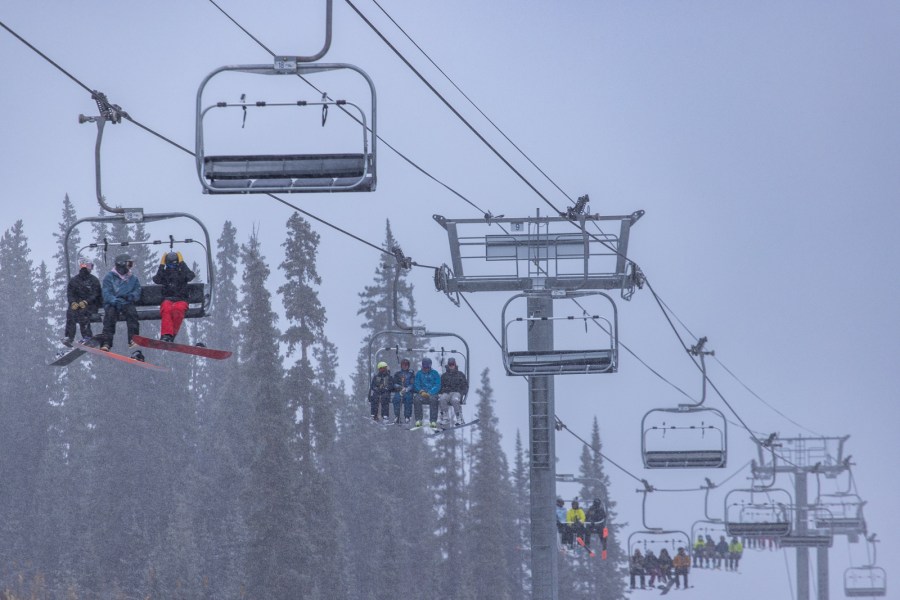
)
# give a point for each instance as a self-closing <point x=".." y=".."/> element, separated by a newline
<point x="813" y="525"/>
<point x="567" y="258"/>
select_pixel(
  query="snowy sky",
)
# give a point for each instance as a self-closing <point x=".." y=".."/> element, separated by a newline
<point x="761" y="138"/>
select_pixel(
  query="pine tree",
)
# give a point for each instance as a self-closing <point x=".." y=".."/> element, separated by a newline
<point x="492" y="555"/>
<point x="521" y="481"/>
<point x="24" y="390"/>
<point x="310" y="406"/>
<point x="600" y="579"/>
<point x="269" y="505"/>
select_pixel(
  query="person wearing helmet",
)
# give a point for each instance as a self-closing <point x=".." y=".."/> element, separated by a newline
<point x="426" y="386"/>
<point x="596" y="523"/>
<point x="120" y="289"/>
<point x="173" y="275"/>
<point x="561" y="521"/>
<point x="380" y="393"/>
<point x="454" y="387"/>
<point x="403" y="391"/>
<point x="575" y="519"/>
<point x="84" y="299"/>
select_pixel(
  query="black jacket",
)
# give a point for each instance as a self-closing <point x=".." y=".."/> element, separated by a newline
<point x="85" y="286"/>
<point x="174" y="281"/>
<point x="454" y="381"/>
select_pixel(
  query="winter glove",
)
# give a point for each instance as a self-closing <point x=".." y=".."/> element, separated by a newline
<point x="424" y="394"/>
<point x="82" y="304"/>
<point x="74" y="306"/>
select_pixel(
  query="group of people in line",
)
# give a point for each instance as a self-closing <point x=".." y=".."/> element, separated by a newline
<point x="575" y="523"/>
<point x="709" y="554"/>
<point x="659" y="568"/>
<point x="442" y="392"/>
<point x="118" y="295"/>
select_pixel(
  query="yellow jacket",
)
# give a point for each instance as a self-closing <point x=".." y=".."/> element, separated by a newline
<point x="575" y="514"/>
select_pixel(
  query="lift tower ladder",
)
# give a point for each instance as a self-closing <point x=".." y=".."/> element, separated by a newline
<point x="566" y="258"/>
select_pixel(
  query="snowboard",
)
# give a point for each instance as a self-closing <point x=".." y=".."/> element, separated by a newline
<point x="183" y="348"/>
<point x="125" y="359"/>
<point x="67" y="358"/>
<point x="666" y="588"/>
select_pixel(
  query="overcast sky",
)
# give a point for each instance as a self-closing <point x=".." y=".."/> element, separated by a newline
<point x="761" y="138"/>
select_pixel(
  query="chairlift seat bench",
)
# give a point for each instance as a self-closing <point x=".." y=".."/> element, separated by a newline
<point x="561" y="361"/>
<point x="151" y="297"/>
<point x="659" y="459"/>
<point x="289" y="172"/>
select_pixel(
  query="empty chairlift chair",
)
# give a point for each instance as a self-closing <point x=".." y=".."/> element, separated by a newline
<point x="293" y="171"/>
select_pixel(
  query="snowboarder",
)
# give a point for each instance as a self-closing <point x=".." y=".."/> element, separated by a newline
<point x="454" y="387"/>
<point x="561" y="525"/>
<point x="403" y="391"/>
<point x="380" y="392"/>
<point x="665" y="566"/>
<point x="84" y="299"/>
<point x="427" y="384"/>
<point x="173" y="275"/>
<point x="121" y="289"/>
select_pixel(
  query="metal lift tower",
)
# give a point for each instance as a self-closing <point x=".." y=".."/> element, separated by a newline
<point x="812" y="528"/>
<point x="569" y="258"/>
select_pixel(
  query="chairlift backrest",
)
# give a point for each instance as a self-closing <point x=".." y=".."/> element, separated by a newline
<point x="294" y="171"/>
<point x="684" y="437"/>
<point x="599" y="346"/>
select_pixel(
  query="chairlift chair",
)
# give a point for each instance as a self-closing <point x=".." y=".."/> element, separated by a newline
<point x="688" y="436"/>
<point x="657" y="539"/>
<point x="377" y="351"/>
<point x="813" y="529"/>
<point x="295" y="171"/>
<point x="684" y="437"/>
<point x="200" y="295"/>
<point x="865" y="582"/>
<point x="600" y="355"/>
<point x="844" y="514"/>
<point x="758" y="512"/>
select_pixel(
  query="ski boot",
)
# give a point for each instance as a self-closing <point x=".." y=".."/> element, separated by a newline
<point x="138" y="355"/>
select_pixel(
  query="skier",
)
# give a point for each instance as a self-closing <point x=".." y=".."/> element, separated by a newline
<point x="173" y="275"/>
<point x="651" y="566"/>
<point x="682" y="564"/>
<point x="121" y="289"/>
<point x="84" y="299"/>
<point x="561" y="525"/>
<point x="596" y="523"/>
<point x="454" y="387"/>
<point x="735" y="551"/>
<point x="380" y="392"/>
<point x="403" y="391"/>
<point x="721" y="553"/>
<point x="426" y="386"/>
<point x="575" y="519"/>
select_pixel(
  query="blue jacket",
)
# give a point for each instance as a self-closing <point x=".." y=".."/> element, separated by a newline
<point x="118" y="291"/>
<point x="429" y="382"/>
<point x="403" y="379"/>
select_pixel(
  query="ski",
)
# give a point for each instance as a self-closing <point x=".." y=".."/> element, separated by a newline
<point x="125" y="359"/>
<point x="183" y="348"/>
<point x="585" y="546"/>
<point x="440" y="429"/>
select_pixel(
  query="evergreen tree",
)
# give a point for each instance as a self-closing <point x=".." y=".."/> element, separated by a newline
<point x="493" y="558"/>
<point x="269" y="505"/>
<point x="521" y="480"/>
<point x="24" y="391"/>
<point x="600" y="579"/>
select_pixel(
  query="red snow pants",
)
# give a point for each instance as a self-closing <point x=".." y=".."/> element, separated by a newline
<point x="171" y="315"/>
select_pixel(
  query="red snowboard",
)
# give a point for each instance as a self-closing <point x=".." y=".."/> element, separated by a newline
<point x="183" y="348"/>
<point x="127" y="359"/>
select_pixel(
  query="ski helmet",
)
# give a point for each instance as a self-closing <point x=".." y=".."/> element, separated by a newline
<point x="85" y="263"/>
<point x="382" y="365"/>
<point x="172" y="257"/>
<point x="426" y="363"/>
<point x="123" y="260"/>
<point x="405" y="361"/>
